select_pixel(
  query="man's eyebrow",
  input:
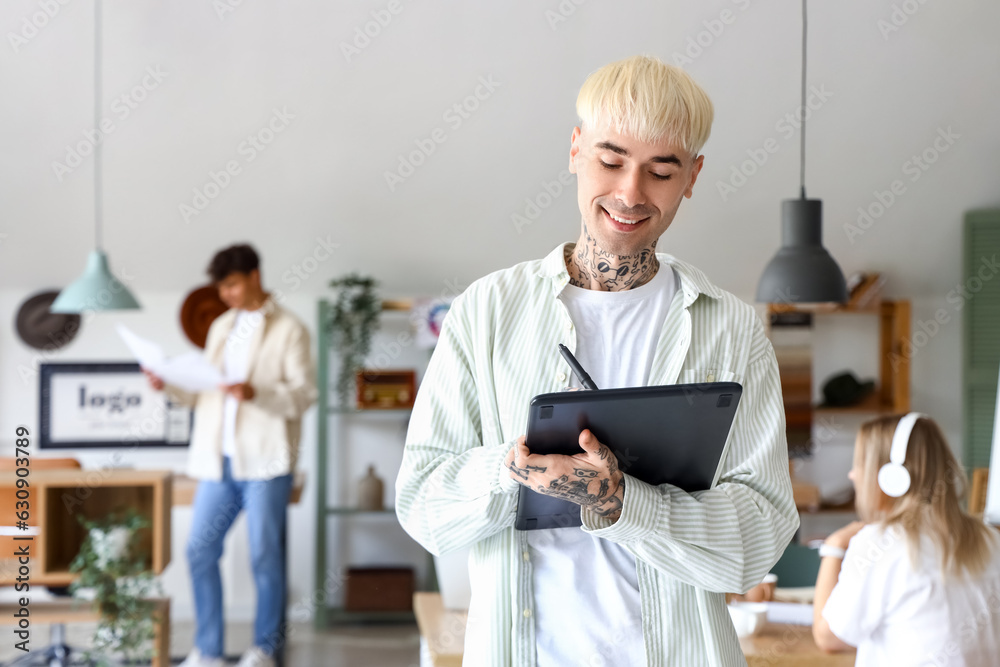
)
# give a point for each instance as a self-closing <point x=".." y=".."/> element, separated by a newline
<point x="667" y="159"/>
<point x="663" y="159"/>
<point x="614" y="148"/>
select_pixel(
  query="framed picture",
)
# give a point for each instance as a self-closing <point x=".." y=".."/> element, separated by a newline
<point x="106" y="404"/>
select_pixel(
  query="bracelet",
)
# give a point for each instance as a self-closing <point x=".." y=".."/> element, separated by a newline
<point x="830" y="550"/>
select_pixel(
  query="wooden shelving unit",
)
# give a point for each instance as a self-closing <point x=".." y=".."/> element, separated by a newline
<point x="892" y="391"/>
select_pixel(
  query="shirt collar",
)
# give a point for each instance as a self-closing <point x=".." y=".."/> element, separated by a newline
<point x="693" y="281"/>
<point x="268" y="308"/>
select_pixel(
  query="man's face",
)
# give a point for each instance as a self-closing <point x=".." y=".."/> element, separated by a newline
<point x="640" y="184"/>
<point x="238" y="288"/>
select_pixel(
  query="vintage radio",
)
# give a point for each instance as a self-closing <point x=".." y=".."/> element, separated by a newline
<point x="386" y="390"/>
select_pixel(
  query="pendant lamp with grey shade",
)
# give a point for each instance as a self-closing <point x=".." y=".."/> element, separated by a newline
<point x="97" y="288"/>
<point x="802" y="271"/>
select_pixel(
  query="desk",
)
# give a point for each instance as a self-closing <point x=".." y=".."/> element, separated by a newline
<point x="780" y="645"/>
<point x="184" y="488"/>
<point x="443" y="632"/>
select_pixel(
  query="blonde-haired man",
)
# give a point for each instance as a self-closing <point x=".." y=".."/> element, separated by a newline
<point x="643" y="580"/>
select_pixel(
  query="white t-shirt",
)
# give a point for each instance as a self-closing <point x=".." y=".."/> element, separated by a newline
<point x="898" y="615"/>
<point x="235" y="368"/>
<point x="587" y="607"/>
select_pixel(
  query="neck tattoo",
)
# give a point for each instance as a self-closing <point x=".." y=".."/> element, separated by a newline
<point x="593" y="268"/>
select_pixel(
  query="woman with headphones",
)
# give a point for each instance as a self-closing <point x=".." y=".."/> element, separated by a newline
<point x="917" y="580"/>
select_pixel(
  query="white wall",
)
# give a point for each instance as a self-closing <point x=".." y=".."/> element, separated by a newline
<point x="322" y="179"/>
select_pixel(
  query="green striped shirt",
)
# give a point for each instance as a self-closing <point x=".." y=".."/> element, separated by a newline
<point x="496" y="351"/>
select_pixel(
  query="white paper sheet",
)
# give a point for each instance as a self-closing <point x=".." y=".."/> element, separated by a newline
<point x="146" y="352"/>
<point x="796" y="613"/>
<point x="189" y="371"/>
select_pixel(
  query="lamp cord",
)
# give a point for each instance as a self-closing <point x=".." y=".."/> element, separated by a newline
<point x="97" y="127"/>
<point x="802" y="127"/>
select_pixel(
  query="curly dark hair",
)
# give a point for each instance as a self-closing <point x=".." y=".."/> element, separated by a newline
<point x="240" y="257"/>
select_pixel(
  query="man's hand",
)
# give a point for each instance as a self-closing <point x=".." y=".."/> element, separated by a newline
<point x="154" y="380"/>
<point x="590" y="479"/>
<point x="241" y="391"/>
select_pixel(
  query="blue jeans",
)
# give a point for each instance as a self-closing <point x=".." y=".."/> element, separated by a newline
<point x="216" y="506"/>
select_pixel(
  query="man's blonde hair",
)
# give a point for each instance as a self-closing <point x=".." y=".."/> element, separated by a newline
<point x="649" y="100"/>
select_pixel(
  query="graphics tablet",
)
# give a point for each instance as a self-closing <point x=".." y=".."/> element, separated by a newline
<point x="662" y="434"/>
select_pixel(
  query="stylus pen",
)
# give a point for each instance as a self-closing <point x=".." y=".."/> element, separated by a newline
<point x="577" y="368"/>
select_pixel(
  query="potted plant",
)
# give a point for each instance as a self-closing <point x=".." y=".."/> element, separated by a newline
<point x="116" y="577"/>
<point x="354" y="318"/>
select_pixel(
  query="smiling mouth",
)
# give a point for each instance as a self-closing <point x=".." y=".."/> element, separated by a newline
<point x="621" y="222"/>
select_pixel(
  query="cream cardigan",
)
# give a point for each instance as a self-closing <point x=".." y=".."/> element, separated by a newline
<point x="268" y="426"/>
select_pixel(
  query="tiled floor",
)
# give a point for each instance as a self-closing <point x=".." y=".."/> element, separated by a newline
<point x="345" y="646"/>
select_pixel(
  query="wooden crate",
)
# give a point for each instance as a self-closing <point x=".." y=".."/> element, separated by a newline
<point x="379" y="589"/>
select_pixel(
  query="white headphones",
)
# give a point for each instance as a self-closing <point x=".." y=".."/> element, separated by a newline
<point x="893" y="478"/>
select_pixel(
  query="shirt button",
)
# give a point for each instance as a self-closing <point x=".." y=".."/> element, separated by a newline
<point x="526" y="556"/>
<point x="561" y="377"/>
<point x="710" y="378"/>
<point x="527" y="613"/>
<point x="569" y="326"/>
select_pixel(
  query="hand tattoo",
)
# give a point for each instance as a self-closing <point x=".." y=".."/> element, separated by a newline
<point x="577" y="488"/>
<point x="526" y="470"/>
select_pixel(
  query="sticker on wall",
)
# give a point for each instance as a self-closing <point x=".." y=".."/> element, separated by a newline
<point x="427" y="315"/>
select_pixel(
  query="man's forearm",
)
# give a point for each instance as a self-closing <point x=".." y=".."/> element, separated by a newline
<point x="447" y="501"/>
<point x="691" y="536"/>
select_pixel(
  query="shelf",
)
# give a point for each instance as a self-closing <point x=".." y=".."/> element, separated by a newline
<point x="335" y="410"/>
<point x="843" y="508"/>
<point x="865" y="298"/>
<point x="892" y="393"/>
<point x="397" y="305"/>
<point x="355" y="510"/>
<point x="872" y="405"/>
<point x="331" y="454"/>
<point x="339" y="615"/>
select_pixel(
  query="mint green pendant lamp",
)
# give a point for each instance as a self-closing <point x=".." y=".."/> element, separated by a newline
<point x="97" y="288"/>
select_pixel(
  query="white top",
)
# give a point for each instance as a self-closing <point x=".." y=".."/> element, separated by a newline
<point x="898" y="615"/>
<point x="587" y="606"/>
<point x="235" y="366"/>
